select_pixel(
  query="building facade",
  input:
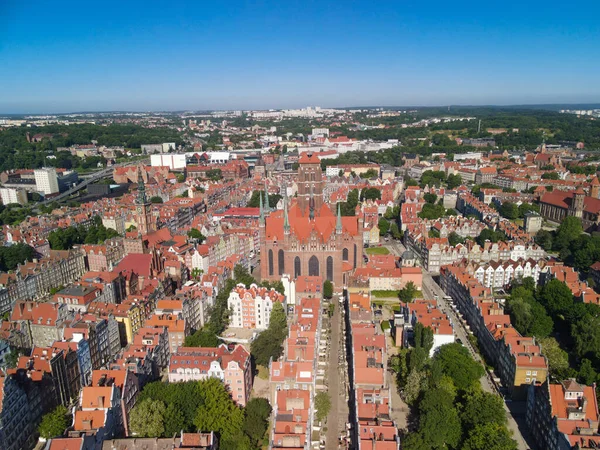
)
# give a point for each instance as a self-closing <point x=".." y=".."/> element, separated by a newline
<point x="308" y="238"/>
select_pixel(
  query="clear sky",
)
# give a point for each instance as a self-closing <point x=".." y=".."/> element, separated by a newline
<point x="61" y="56"/>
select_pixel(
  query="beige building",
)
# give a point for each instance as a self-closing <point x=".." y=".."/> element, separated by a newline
<point x="13" y="195"/>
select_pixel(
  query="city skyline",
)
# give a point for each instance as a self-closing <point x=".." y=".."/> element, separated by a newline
<point x="145" y="56"/>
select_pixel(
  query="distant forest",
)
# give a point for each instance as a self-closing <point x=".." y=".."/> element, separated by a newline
<point x="17" y="153"/>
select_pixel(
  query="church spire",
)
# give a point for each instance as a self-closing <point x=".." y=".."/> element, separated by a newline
<point x="261" y="218"/>
<point x="338" y="225"/>
<point x="141" y="197"/>
<point x="286" y="220"/>
<point x="267" y="207"/>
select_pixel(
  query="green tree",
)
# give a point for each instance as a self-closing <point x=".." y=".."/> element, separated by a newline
<point x="408" y="293"/>
<point x="256" y="420"/>
<point x="323" y="405"/>
<point x="156" y="199"/>
<point x="432" y="212"/>
<point x="392" y="214"/>
<point x="371" y="193"/>
<point x="489" y="235"/>
<point x="416" y="382"/>
<point x="174" y="421"/>
<point x="455" y="239"/>
<point x="217" y="411"/>
<point x="509" y="210"/>
<point x="423" y="337"/>
<point x="439" y="424"/>
<point x="569" y="229"/>
<point x="556" y="297"/>
<point x="456" y="362"/>
<point x="196" y="234"/>
<point x="327" y="289"/>
<point x="586" y="336"/>
<point x="269" y="344"/>
<point x="430" y="198"/>
<point x="558" y="359"/>
<point x="202" y="338"/>
<point x="544" y="239"/>
<point x="395" y="231"/>
<point x="54" y="423"/>
<point x="550" y="176"/>
<point x="453" y="181"/>
<point x="384" y="227"/>
<point x="480" y="408"/>
<point x="587" y="375"/>
<point x="148" y="418"/>
<point x="490" y="436"/>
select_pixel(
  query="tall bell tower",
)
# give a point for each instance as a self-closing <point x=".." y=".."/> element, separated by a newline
<point x="310" y="183"/>
<point x="142" y="206"/>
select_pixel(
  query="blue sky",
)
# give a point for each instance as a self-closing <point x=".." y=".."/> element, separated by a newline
<point x="132" y="55"/>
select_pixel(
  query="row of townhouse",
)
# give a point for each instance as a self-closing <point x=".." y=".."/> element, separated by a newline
<point x="293" y="378"/>
<point x="35" y="279"/>
<point x="517" y="360"/>
<point x="370" y="396"/>
<point x="468" y="204"/>
<point x="499" y="275"/>
<point x="437" y="252"/>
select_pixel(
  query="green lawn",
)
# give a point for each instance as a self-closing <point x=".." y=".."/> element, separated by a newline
<point x="384" y="294"/>
<point x="377" y="251"/>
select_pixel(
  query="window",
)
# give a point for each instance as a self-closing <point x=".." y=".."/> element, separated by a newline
<point x="345" y="254"/>
<point x="527" y="380"/>
<point x="297" y="267"/>
<point x="528" y="372"/>
<point x="330" y="268"/>
<point x="270" y="262"/>
<point x="313" y="266"/>
<point x="534" y="373"/>
<point x="280" y="262"/>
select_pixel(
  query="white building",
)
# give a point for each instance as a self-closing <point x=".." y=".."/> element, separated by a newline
<point x="471" y="155"/>
<point x="46" y="180"/>
<point x="166" y="146"/>
<point x="320" y="131"/>
<point x="10" y="195"/>
<point x="251" y="308"/>
<point x="172" y="160"/>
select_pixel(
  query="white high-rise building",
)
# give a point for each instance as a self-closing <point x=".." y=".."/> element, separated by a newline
<point x="10" y="195"/>
<point x="46" y="180"/>
<point x="320" y="131"/>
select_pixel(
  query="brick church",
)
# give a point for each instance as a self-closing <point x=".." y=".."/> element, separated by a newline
<point x="307" y="237"/>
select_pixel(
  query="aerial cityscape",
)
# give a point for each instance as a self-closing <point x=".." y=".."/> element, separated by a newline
<point x="207" y="243"/>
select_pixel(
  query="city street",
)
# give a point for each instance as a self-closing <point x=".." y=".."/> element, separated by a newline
<point x="432" y="291"/>
<point x="336" y="381"/>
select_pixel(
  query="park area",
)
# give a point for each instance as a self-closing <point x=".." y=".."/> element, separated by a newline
<point x="377" y="251"/>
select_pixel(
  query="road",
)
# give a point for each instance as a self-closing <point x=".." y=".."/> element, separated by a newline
<point x="92" y="179"/>
<point x="432" y="290"/>
<point x="336" y="383"/>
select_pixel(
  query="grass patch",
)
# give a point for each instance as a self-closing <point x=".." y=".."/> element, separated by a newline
<point x="263" y="372"/>
<point x="384" y="294"/>
<point x="377" y="251"/>
<point x="385" y="325"/>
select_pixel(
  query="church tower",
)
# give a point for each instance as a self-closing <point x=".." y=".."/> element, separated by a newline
<point x="577" y="204"/>
<point x="142" y="206"/>
<point x="310" y="183"/>
<point x="595" y="188"/>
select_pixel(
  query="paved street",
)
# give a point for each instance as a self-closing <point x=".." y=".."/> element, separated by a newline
<point x="432" y="291"/>
<point x="336" y="381"/>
